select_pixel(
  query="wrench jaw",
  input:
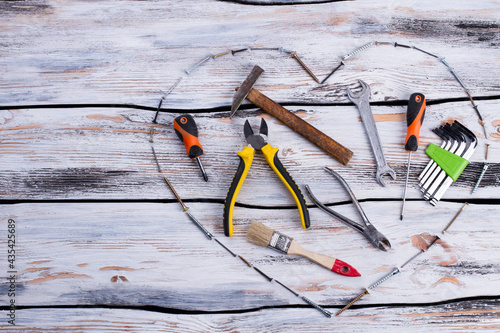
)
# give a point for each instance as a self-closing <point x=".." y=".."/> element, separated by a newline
<point x="364" y="94"/>
<point x="384" y="171"/>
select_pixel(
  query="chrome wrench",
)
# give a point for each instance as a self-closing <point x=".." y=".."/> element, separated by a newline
<point x="362" y="101"/>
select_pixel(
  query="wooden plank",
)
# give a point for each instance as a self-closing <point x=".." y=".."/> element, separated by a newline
<point x="77" y="253"/>
<point x="106" y="154"/>
<point x="468" y="316"/>
<point x="96" y="226"/>
<point x="97" y="62"/>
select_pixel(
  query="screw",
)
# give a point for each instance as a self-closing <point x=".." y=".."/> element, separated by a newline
<point x="485" y="167"/>
<point x="379" y="281"/>
<point x="353" y="301"/>
<point x="359" y="49"/>
<point x="453" y="219"/>
<point x="317" y="306"/>
<point x="331" y="73"/>
<point x="220" y="54"/>
<point x="245" y="261"/>
<point x="270" y="279"/>
<point x="168" y="92"/>
<point x="240" y="50"/>
<point x="264" y="49"/>
<point x="184" y="207"/>
<point x="202" y="228"/>
<point x="198" y="64"/>
<point x="225" y="247"/>
<point x="151" y="133"/>
<point x="396" y="44"/>
<point x="432" y="55"/>
<point x="486" y="153"/>
<point x="294" y="55"/>
<point x="282" y="50"/>
<point x="158" y="110"/>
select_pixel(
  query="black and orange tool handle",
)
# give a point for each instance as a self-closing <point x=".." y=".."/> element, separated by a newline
<point x="186" y="130"/>
<point x="271" y="155"/>
<point x="414" y="119"/>
<point x="246" y="158"/>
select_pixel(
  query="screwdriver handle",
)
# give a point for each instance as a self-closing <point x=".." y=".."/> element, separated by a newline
<point x="186" y="130"/>
<point x="414" y="119"/>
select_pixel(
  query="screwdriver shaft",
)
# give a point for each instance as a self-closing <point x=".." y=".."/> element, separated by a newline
<point x="406" y="185"/>
<point x="203" y="172"/>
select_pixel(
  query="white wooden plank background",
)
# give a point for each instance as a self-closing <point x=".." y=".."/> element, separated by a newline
<point x="102" y="243"/>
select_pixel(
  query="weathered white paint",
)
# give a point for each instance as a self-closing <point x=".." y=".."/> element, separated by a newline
<point x="68" y="254"/>
<point x="138" y="252"/>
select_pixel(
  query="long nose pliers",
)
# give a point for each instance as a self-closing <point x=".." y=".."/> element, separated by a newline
<point x="259" y="141"/>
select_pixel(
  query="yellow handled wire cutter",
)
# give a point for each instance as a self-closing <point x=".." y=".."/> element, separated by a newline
<point x="259" y="141"/>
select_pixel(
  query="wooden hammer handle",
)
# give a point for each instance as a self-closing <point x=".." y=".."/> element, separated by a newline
<point x="311" y="133"/>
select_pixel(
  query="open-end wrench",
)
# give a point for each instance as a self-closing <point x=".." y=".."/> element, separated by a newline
<point x="362" y="101"/>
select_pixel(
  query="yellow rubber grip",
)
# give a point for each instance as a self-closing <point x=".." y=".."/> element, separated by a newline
<point x="275" y="164"/>
<point x="246" y="158"/>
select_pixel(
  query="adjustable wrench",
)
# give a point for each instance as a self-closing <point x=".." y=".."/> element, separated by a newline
<point x="362" y="101"/>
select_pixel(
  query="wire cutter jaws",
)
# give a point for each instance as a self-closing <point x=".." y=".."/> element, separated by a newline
<point x="367" y="229"/>
<point x="259" y="141"/>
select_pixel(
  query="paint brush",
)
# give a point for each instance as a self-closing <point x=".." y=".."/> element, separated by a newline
<point x="261" y="235"/>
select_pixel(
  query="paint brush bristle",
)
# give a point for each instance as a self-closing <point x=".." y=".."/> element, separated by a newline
<point x="259" y="234"/>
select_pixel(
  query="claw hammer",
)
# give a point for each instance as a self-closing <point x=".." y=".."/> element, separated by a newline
<point x="311" y="133"/>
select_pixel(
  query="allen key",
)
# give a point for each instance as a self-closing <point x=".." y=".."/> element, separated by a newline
<point x="446" y="144"/>
<point x="432" y="184"/>
<point x="457" y="139"/>
<point x="450" y="143"/>
<point x="469" y="150"/>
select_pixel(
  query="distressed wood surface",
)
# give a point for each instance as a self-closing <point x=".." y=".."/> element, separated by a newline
<point x="467" y="316"/>
<point x="96" y="154"/>
<point x="102" y="244"/>
<point x="69" y="254"/>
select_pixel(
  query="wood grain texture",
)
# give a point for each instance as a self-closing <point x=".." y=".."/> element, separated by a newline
<point x="75" y="52"/>
<point x="463" y="316"/>
<point x="69" y="254"/>
<point x="105" y="154"/>
<point x="104" y="246"/>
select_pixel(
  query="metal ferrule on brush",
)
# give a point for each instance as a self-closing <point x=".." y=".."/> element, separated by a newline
<point x="280" y="242"/>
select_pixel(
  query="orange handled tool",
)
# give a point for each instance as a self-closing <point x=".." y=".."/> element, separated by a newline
<point x="186" y="130"/>
<point x="414" y="119"/>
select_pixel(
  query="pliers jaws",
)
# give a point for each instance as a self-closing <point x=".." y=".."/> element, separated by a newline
<point x="259" y="140"/>
<point x="367" y="229"/>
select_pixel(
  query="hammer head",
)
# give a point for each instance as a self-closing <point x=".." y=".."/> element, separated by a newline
<point x="245" y="88"/>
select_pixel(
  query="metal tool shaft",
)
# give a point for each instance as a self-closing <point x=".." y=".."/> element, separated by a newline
<point x="406" y="185"/>
<point x="202" y="169"/>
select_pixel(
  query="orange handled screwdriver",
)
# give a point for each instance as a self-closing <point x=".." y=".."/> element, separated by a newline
<point x="414" y="119"/>
<point x="186" y="130"/>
